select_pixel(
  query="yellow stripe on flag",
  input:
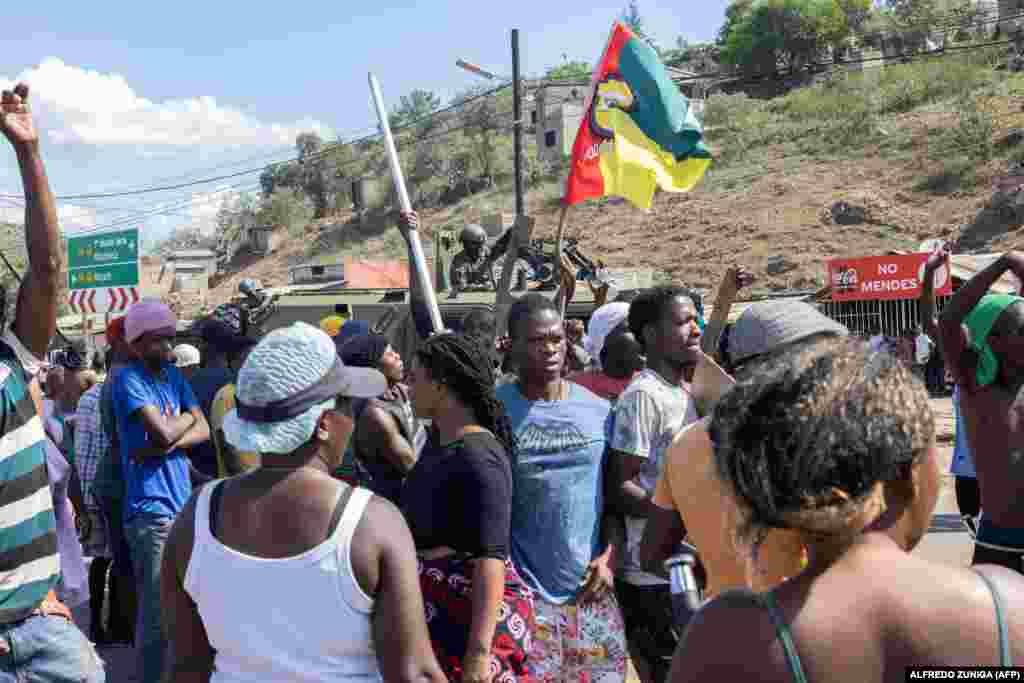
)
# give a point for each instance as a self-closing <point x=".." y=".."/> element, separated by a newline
<point x="634" y="165"/>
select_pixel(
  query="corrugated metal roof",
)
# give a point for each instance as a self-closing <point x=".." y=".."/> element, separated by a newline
<point x="966" y="266"/>
<point x="325" y="260"/>
<point x="378" y="274"/>
<point x="186" y="254"/>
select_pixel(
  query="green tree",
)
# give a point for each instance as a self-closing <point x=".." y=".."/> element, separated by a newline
<point x="226" y="216"/>
<point x="286" y="207"/>
<point x="735" y="13"/>
<point x="768" y="35"/>
<point x="416" y="106"/>
<point x="632" y="18"/>
<point x="277" y="176"/>
<point x="484" y="124"/>
<point x="470" y="92"/>
<point x="570" y="71"/>
<point x="914" y="20"/>
<point x="685" y="51"/>
<point x="312" y="171"/>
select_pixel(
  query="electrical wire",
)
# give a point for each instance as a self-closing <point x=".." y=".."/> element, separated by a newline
<point x="218" y="194"/>
<point x="403" y="144"/>
<point x="902" y="32"/>
<point x="319" y="153"/>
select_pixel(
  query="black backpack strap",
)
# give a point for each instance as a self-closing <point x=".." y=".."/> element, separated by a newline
<point x="218" y="491"/>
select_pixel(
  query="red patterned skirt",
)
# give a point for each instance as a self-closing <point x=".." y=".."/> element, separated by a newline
<point x="447" y="585"/>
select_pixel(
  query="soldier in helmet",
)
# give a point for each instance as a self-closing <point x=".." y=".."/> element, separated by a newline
<point x="473" y="267"/>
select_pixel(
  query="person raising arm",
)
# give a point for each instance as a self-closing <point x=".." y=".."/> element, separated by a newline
<point x="35" y="315"/>
<point x="982" y="338"/>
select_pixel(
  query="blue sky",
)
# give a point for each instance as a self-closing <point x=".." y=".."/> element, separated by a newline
<point x="133" y="94"/>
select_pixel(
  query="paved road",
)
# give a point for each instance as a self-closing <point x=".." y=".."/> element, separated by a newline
<point x="120" y="660"/>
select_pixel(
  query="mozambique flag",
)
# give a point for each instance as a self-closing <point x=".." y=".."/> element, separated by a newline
<point x="638" y="132"/>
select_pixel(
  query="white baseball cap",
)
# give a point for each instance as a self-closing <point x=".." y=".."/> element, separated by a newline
<point x="187" y="355"/>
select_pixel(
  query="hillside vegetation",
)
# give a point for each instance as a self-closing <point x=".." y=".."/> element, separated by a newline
<point x="917" y="146"/>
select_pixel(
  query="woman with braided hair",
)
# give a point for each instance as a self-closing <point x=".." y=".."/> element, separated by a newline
<point x="836" y="443"/>
<point x="458" y="502"/>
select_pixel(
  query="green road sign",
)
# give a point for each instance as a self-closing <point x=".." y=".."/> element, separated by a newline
<point x="109" y="259"/>
<point x="117" y="275"/>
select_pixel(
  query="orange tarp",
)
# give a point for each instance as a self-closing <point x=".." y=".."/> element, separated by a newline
<point x="378" y="274"/>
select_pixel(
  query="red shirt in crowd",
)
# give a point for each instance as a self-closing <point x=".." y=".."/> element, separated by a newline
<point x="601" y="384"/>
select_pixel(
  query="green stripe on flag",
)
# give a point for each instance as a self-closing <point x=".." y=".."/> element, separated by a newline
<point x="660" y="110"/>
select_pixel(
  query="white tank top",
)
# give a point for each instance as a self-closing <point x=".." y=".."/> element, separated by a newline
<point x="293" y="620"/>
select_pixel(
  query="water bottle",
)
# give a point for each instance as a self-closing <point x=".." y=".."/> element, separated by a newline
<point x="686" y="590"/>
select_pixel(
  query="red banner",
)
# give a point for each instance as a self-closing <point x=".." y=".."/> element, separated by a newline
<point x="884" y="278"/>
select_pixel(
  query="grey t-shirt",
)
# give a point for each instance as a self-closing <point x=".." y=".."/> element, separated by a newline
<point x="648" y="416"/>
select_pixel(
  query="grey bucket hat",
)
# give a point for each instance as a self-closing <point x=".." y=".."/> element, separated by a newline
<point x="768" y="325"/>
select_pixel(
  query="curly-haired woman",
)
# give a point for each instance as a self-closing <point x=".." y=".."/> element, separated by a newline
<point x="837" y="443"/>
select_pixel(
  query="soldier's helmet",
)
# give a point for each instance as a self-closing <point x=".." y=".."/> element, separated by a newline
<point x="473" y="234"/>
<point x="249" y="286"/>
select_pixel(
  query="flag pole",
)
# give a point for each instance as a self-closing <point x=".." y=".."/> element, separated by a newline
<point x="419" y="260"/>
<point x="559" y="247"/>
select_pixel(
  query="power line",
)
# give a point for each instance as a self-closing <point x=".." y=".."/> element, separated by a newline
<point x="935" y="24"/>
<point x="810" y="66"/>
<point x="321" y="152"/>
<point x="219" y="194"/>
<point x="215" y="196"/>
<point x="276" y="152"/>
<point x="166" y="210"/>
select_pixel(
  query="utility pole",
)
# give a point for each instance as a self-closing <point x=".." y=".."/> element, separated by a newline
<point x="523" y="226"/>
<point x="517" y="126"/>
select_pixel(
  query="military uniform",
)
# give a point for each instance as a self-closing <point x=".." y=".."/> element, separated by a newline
<point x="479" y="273"/>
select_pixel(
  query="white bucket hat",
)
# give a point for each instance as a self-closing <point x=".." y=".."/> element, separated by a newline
<point x="603" y="321"/>
<point x="187" y="356"/>
<point x="290" y="379"/>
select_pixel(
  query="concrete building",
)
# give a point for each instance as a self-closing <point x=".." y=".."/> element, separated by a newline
<point x="556" y="118"/>
<point x="559" y="111"/>
<point x="265" y="239"/>
<point x="191" y="269"/>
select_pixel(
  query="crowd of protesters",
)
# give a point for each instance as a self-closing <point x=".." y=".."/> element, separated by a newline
<point x="312" y="506"/>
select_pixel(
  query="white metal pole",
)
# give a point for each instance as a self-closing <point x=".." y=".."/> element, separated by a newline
<point x="419" y="260"/>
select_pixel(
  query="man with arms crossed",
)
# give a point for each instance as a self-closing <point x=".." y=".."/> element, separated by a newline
<point x="158" y="420"/>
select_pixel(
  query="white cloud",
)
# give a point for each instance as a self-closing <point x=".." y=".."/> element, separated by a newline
<point x="70" y="218"/>
<point x="206" y="205"/>
<point x="74" y="218"/>
<point x="10" y="214"/>
<point x="81" y="106"/>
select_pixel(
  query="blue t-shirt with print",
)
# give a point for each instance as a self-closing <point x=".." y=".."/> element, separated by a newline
<point x="159" y="486"/>
<point x="557" y="494"/>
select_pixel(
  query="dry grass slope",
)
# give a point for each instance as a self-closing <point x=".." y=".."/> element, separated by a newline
<point x="917" y="145"/>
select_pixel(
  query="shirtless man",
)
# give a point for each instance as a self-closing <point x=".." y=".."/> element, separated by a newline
<point x="982" y="336"/>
